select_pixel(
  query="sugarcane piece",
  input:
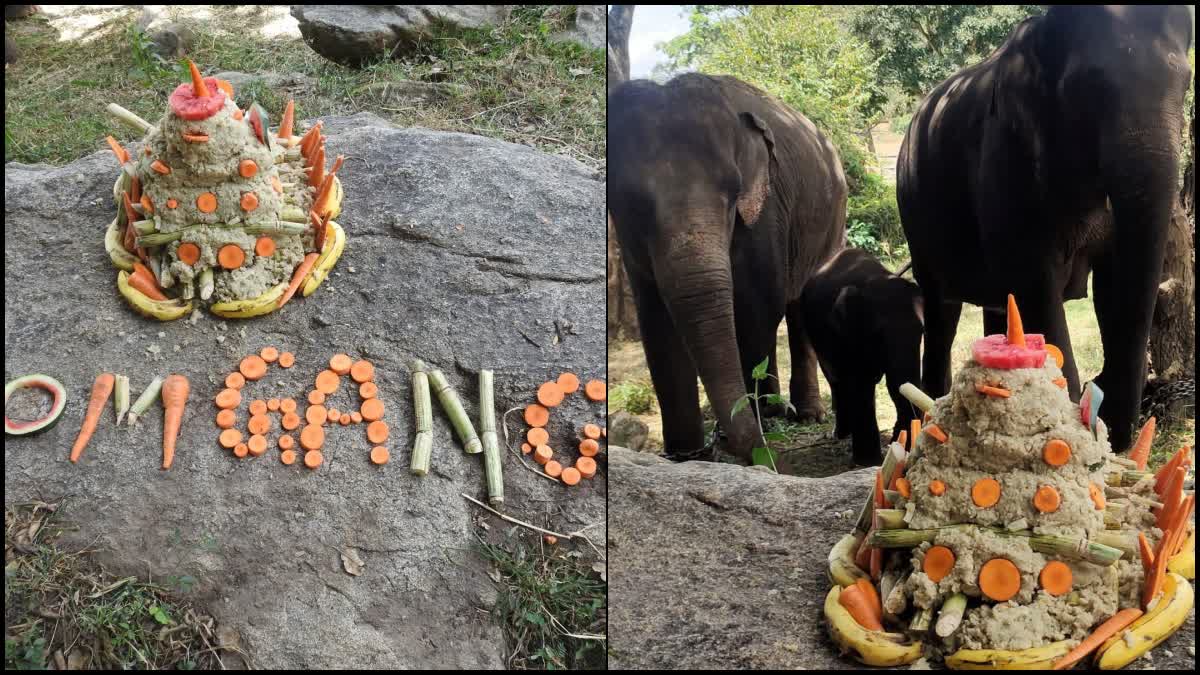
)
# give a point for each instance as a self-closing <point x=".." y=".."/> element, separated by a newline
<point x="1067" y="547"/>
<point x="147" y="226"/>
<point x="895" y="601"/>
<point x="889" y="519"/>
<point x="165" y="278"/>
<point x="293" y="213"/>
<point x="187" y="290"/>
<point x="1017" y="525"/>
<point x="916" y="397"/>
<point x="121" y="397"/>
<point x="206" y="283"/>
<point x="891" y="460"/>
<point x="492" y="468"/>
<point x="130" y="119"/>
<point x="950" y="615"/>
<point x="1123" y="540"/>
<point x="148" y="396"/>
<point x="1125" y="478"/>
<point x="279" y="227"/>
<point x="423" y="445"/>
<point x="1123" y="461"/>
<point x="160" y="238"/>
<point x="454" y="410"/>
<point x="921" y="620"/>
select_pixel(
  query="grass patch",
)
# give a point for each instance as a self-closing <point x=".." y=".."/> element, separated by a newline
<point x="60" y="611"/>
<point x="549" y="602"/>
<point x="513" y="82"/>
<point x="636" y="397"/>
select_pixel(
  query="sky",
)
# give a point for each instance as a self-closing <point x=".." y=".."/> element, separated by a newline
<point x="652" y="24"/>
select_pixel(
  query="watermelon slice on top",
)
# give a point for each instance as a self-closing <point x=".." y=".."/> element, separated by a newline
<point x="198" y="100"/>
<point x="1014" y="350"/>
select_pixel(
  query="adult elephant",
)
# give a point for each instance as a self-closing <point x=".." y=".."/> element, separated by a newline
<point x="724" y="200"/>
<point x="1054" y="156"/>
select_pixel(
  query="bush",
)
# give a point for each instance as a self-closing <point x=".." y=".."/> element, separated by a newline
<point x="872" y="214"/>
<point x="633" y="397"/>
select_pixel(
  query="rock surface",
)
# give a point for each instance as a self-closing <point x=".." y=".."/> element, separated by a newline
<point x="463" y="251"/>
<point x="269" y="79"/>
<point x="354" y="34"/>
<point x="720" y="566"/>
<point x="588" y="28"/>
<point x="627" y="431"/>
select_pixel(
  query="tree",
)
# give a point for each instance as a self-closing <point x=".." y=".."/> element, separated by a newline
<point x="918" y="46"/>
<point x="622" y="314"/>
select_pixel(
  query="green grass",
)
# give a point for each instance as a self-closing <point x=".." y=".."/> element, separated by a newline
<point x="636" y="397"/>
<point x="553" y="608"/>
<point x="517" y="84"/>
<point x="58" y="607"/>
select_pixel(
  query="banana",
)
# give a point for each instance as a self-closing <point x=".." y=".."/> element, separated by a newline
<point x="1034" y="658"/>
<point x="244" y="309"/>
<point x="329" y="256"/>
<point x="1184" y="562"/>
<point x="337" y="198"/>
<point x="872" y="647"/>
<point x="112" y="243"/>
<point x="842" y="570"/>
<point x="1168" y="614"/>
<point x="167" y="310"/>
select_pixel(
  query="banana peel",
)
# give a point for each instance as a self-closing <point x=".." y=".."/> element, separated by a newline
<point x="336" y="209"/>
<point x="244" y="309"/>
<point x="163" y="310"/>
<point x="1167" y="615"/>
<point x="1184" y="562"/>
<point x="116" y="251"/>
<point x="872" y="647"/>
<point x="334" y="245"/>
<point x="842" y="570"/>
<point x="1034" y="658"/>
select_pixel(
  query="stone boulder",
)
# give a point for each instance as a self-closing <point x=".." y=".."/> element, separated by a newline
<point x="722" y="566"/>
<point x="354" y="34"/>
<point x="588" y="28"/>
<point x="464" y="251"/>
<point x="627" y="431"/>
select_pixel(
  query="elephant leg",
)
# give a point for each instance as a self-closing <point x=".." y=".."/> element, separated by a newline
<point x="804" y="391"/>
<point x="1116" y="380"/>
<point x="941" y="324"/>
<point x="843" y="422"/>
<point x="673" y="373"/>
<point x="864" y="432"/>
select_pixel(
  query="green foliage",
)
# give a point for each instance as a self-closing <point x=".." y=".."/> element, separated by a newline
<point x="632" y="397"/>
<point x="918" y="46"/>
<point x="872" y="217"/>
<point x="762" y="456"/>
<point x="804" y="55"/>
<point x="26" y="653"/>
<point x="148" y="66"/>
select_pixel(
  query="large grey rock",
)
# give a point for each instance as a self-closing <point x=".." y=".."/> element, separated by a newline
<point x="353" y="34"/>
<point x="588" y="28"/>
<point x="721" y="566"/>
<point x="627" y="431"/>
<point x="463" y="251"/>
<point x="169" y="39"/>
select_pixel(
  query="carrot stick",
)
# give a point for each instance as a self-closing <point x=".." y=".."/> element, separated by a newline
<point x="101" y="390"/>
<point x="902" y="439"/>
<point x="142" y="280"/>
<point x="1171" y="498"/>
<point x="320" y="203"/>
<point x="997" y="392"/>
<point x="1016" y="333"/>
<point x="285" y="125"/>
<point x="859" y="606"/>
<point x="872" y="595"/>
<point x="1147" y="553"/>
<point x="121" y="153"/>
<point x="936" y="432"/>
<point x="198" y="86"/>
<point x="302" y="271"/>
<point x="318" y="168"/>
<point x="174" y="398"/>
<point x="1180" y="524"/>
<point x="309" y="138"/>
<point x="1154" y="578"/>
<point x="1141" y="448"/>
<point x="1164" y="473"/>
<point x="1109" y="628"/>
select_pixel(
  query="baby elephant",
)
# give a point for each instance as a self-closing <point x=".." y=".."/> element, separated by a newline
<point x="864" y="323"/>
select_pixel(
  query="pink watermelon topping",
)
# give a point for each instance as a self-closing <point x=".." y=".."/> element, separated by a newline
<point x="995" y="351"/>
<point x="187" y="105"/>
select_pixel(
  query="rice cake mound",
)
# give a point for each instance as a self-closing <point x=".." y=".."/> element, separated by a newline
<point x="217" y="207"/>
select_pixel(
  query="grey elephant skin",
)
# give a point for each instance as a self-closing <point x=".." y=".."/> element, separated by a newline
<point x="724" y="201"/>
<point x="1007" y="171"/>
<point x="864" y="323"/>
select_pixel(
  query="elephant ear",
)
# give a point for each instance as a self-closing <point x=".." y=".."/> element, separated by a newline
<point x="756" y="168"/>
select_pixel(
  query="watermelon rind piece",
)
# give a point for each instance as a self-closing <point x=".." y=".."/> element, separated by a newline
<point x="58" y="403"/>
<point x="186" y="105"/>
<point x="994" y="351"/>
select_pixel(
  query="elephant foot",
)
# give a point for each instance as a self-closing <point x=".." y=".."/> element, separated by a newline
<point x="866" y="454"/>
<point x="808" y="415"/>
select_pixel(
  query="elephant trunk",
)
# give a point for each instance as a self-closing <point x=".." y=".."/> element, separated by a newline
<point x="696" y="282"/>
<point x="1140" y="172"/>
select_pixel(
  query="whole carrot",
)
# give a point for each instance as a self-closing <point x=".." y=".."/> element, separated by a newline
<point x="174" y="397"/>
<point x="101" y="390"/>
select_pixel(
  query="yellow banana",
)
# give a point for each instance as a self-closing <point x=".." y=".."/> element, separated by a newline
<point x="112" y="243"/>
<point x="872" y="647"/>
<point x="163" y="310"/>
<point x="842" y="570"/>
<point x="1034" y="658"/>
<point x="329" y="256"/>
<point x="1168" y="614"/>
<point x="1184" y="562"/>
<point x="243" y="309"/>
<point x="337" y="199"/>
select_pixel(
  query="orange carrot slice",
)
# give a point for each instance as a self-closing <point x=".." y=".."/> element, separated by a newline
<point x="902" y="438"/>
<point x="231" y="256"/>
<point x="1055" y="353"/>
<point x="249" y="201"/>
<point x="936" y="432"/>
<point x="537" y="436"/>
<point x="340" y="364"/>
<point x="188" y="253"/>
<point x="286" y="442"/>
<point x="904" y="487"/>
<point x="939" y="560"/>
<point x="549" y="394"/>
<point x="147" y="205"/>
<point x="570" y="476"/>
<point x="1171" y="497"/>
<point x="160" y="168"/>
<point x="345" y="419"/>
<point x="1056" y="452"/>
<point x="586" y="466"/>
<point x="230" y="438"/>
<point x="253" y="367"/>
<point x="298" y="276"/>
<point x="362" y="371"/>
<point x="368" y="390"/>
<point x="312" y="437"/>
<point x="259" y="424"/>
<point x="1046" y="499"/>
<point x="313" y="459"/>
<point x="327" y="382"/>
<point x="588" y="447"/>
<point x="226" y="419"/>
<point x="273" y="404"/>
<point x="264" y="247"/>
<point x="172" y="202"/>
<point x="985" y="492"/>
<point x="995" y="392"/>
<point x="542" y="454"/>
<point x="241" y="450"/>
<point x="287" y="360"/>
<point x="258" y="407"/>
<point x="229" y="398"/>
<point x="235" y="380"/>
<point x="536" y="415"/>
<point x="372" y="409"/>
<point x="379" y="455"/>
<point x="206" y="202"/>
<point x="257" y="445"/>
<point x="596" y="390"/>
<point x="552" y="469"/>
<point x="332" y="415"/>
<point x="143" y="280"/>
<point x="1097" y="494"/>
<point x="526" y="448"/>
<point x="237" y="115"/>
<point x="591" y="431"/>
<point x="999" y="579"/>
<point x="937" y="487"/>
<point x="1060" y="382"/>
<point x="316" y="397"/>
<point x="377" y="431"/>
<point x="287" y="405"/>
<point x="356" y="417"/>
<point x="316" y="414"/>
<point x="290" y="421"/>
<point x="288" y="456"/>
<point x="568" y="382"/>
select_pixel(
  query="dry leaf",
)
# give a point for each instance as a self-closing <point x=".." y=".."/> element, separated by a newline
<point x="580" y="71"/>
<point x="353" y="564"/>
<point x="228" y="638"/>
<point x="602" y="569"/>
<point x="77" y="660"/>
